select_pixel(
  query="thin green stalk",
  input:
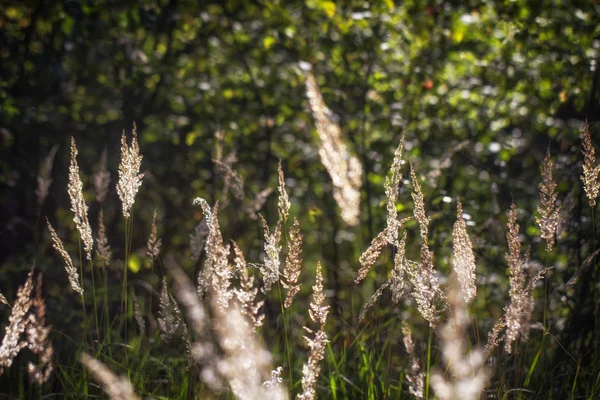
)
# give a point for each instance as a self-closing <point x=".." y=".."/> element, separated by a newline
<point x="427" y="374"/>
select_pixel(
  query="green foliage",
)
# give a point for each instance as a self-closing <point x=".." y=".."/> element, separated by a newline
<point x="509" y="78"/>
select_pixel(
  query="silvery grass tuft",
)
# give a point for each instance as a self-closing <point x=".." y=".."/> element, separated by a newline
<point x="270" y="269"/>
<point x="130" y="178"/>
<point x="416" y="377"/>
<point x="78" y="207"/>
<point x="27" y="329"/>
<point x="245" y="363"/>
<point x="12" y="343"/>
<point x="519" y="310"/>
<point x="4" y="300"/>
<point x="466" y="376"/>
<point x="344" y="168"/>
<point x="426" y="288"/>
<point x="246" y="295"/>
<point x="590" y="180"/>
<point x="392" y="183"/>
<point x="102" y="179"/>
<point x="153" y="244"/>
<point x="216" y="274"/>
<point x="116" y="387"/>
<point x="102" y="247"/>
<point x="293" y="264"/>
<point x="283" y="204"/>
<point x="37" y="338"/>
<point x="549" y="210"/>
<point x="464" y="258"/>
<point x="318" y="313"/>
<point x="69" y="267"/>
<point x="44" y="178"/>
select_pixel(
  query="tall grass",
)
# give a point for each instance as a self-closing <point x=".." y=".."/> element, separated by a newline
<point x="230" y="335"/>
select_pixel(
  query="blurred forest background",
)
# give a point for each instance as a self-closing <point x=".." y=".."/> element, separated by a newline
<point x="481" y="88"/>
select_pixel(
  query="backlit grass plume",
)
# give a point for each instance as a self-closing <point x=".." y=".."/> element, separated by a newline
<point x="44" y="178"/>
<point x="153" y="245"/>
<point x="37" y="338"/>
<point x="75" y="190"/>
<point x="215" y="274"/>
<point x="549" y="210"/>
<point x="270" y="268"/>
<point x="102" y="247"/>
<point x="590" y="180"/>
<point x="415" y="377"/>
<point x="344" y="168"/>
<point x="130" y="178"/>
<point x="69" y="267"/>
<point x="466" y="376"/>
<point x="247" y="293"/>
<point x="13" y="342"/>
<point x="116" y="387"/>
<point x="392" y="183"/>
<point x="519" y="310"/>
<point x="464" y="258"/>
<point x="283" y="204"/>
<point x="293" y="264"/>
<point x="318" y="313"/>
<point x="102" y="179"/>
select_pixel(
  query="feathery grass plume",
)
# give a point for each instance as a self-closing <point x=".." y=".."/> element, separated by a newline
<point x="519" y="310"/>
<point x="246" y="294"/>
<point x="12" y="343"/>
<point x="270" y="269"/>
<point x="245" y="363"/>
<point x="154" y="242"/>
<point x="398" y="281"/>
<point x="318" y="309"/>
<point x="275" y="378"/>
<point x="494" y="338"/>
<point x="171" y="326"/>
<point x="549" y="210"/>
<point x="419" y="210"/>
<point x="137" y="313"/>
<point x="197" y="240"/>
<point x="69" y="267"/>
<point x="378" y="293"/>
<point x="283" y="203"/>
<point x="3" y="300"/>
<point x="117" y="388"/>
<point x="102" y="247"/>
<point x="233" y="180"/>
<point x="415" y="378"/>
<point x="257" y="203"/>
<point x="468" y="376"/>
<point x="392" y="184"/>
<point x="102" y="179"/>
<point x="590" y="180"/>
<point x="216" y="273"/>
<point x="37" y="338"/>
<point x="426" y="288"/>
<point x="130" y="178"/>
<point x="369" y="257"/>
<point x="202" y="349"/>
<point x="318" y="313"/>
<point x="78" y="207"/>
<point x="293" y="264"/>
<point x="44" y="178"/>
<point x="344" y="168"/>
<point x="464" y="258"/>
